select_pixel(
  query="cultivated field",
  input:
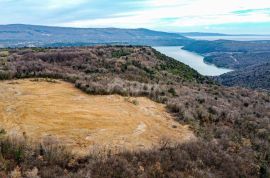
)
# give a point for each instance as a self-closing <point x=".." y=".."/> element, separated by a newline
<point x="56" y="112"/>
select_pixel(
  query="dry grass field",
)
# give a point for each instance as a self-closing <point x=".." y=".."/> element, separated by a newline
<point x="55" y="111"/>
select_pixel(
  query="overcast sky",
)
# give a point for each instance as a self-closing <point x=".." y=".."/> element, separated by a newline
<point x="225" y="16"/>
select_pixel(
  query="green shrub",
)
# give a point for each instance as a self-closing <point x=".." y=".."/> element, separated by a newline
<point x="120" y="53"/>
<point x="2" y="132"/>
<point x="135" y="102"/>
<point x="172" y="91"/>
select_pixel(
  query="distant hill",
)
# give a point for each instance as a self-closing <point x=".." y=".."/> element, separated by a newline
<point x="232" y="54"/>
<point x="203" y="46"/>
<point x="256" y="77"/>
<point x="198" y="34"/>
<point x="203" y="34"/>
<point x="18" y="35"/>
<point x="249" y="59"/>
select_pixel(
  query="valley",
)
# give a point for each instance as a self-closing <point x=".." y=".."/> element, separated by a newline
<point x="232" y="54"/>
<point x="219" y="55"/>
<point x="193" y="60"/>
<point x="248" y="59"/>
<point x="135" y="89"/>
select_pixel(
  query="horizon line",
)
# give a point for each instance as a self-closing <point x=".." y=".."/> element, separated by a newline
<point x="180" y="32"/>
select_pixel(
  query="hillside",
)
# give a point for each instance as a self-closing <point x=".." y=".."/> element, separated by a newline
<point x="256" y="76"/>
<point x="89" y="64"/>
<point x="30" y="35"/>
<point x="246" y="58"/>
<point x="231" y="125"/>
<point x="228" y="46"/>
<point x="232" y="54"/>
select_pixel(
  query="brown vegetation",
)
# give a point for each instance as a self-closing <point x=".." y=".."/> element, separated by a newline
<point x="232" y="123"/>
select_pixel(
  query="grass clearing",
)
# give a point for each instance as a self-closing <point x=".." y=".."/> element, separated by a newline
<point x="57" y="112"/>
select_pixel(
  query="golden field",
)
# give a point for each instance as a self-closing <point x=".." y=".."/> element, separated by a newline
<point x="57" y="112"/>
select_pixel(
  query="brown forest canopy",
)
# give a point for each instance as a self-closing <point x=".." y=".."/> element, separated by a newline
<point x="232" y="124"/>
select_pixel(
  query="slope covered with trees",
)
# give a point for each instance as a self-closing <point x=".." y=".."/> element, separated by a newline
<point x="231" y="124"/>
<point x="256" y="77"/>
<point x="232" y="54"/>
<point x="247" y="58"/>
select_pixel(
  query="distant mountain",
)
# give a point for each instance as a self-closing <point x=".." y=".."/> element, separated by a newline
<point x="202" y="34"/>
<point x="198" y="34"/>
<point x="256" y="77"/>
<point x="18" y="35"/>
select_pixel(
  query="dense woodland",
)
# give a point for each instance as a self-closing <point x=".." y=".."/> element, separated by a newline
<point x="246" y="58"/>
<point x="232" y="54"/>
<point x="255" y="76"/>
<point x="232" y="124"/>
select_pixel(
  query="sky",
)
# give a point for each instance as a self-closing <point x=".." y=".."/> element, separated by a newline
<point x="222" y="16"/>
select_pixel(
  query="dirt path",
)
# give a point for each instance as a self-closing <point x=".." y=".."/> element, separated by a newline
<point x="58" y="112"/>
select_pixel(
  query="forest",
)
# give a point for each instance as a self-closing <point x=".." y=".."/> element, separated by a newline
<point x="232" y="124"/>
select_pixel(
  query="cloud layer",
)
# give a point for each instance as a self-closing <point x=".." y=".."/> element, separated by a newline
<point x="170" y="15"/>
